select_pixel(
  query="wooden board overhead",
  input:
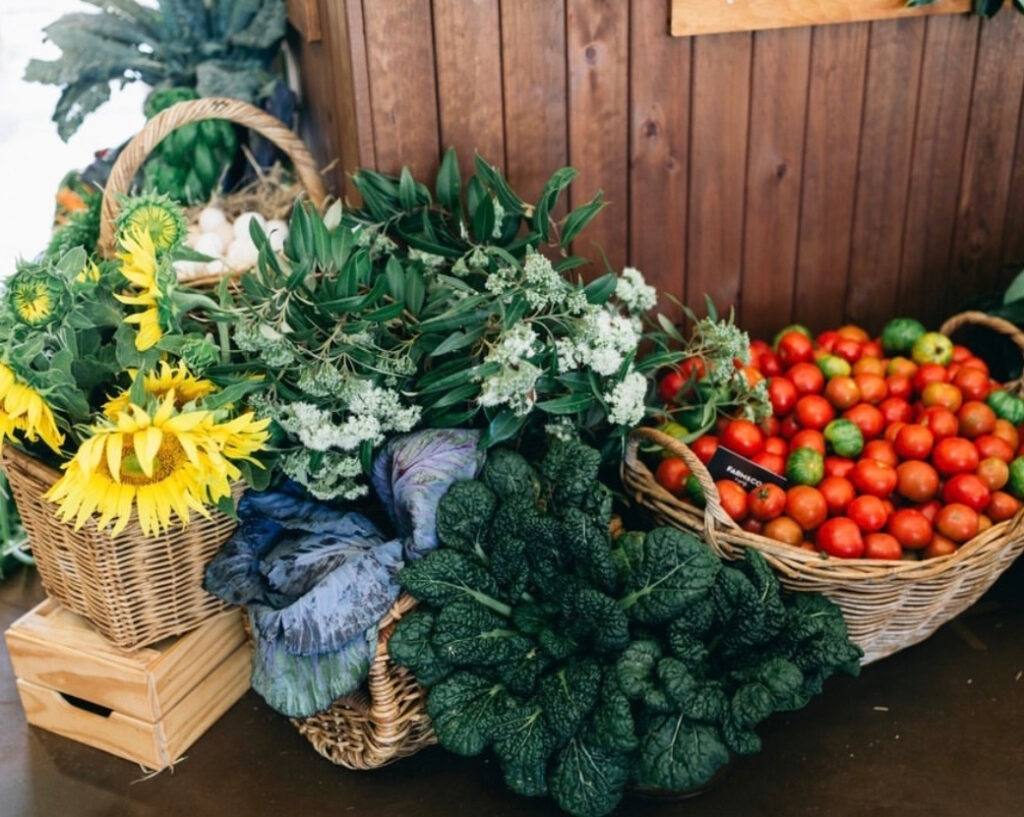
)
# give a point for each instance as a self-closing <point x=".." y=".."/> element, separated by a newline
<point x="691" y="17"/>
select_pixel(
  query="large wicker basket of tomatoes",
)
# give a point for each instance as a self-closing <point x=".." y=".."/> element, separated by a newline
<point x="903" y="480"/>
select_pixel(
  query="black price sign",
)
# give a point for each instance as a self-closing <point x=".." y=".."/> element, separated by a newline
<point x="726" y="464"/>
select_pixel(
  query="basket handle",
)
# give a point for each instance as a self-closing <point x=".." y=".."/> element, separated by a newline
<point x="153" y="132"/>
<point x="715" y="516"/>
<point x="999" y="325"/>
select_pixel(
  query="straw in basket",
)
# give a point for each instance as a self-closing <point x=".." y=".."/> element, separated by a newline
<point x="887" y="605"/>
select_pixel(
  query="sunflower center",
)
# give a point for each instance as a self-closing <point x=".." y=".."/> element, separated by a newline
<point x="169" y="458"/>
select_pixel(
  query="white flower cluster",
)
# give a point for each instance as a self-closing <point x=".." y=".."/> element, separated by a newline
<point x="519" y="342"/>
<point x="513" y="385"/>
<point x="563" y="429"/>
<point x="499" y="215"/>
<point x="429" y="260"/>
<point x="273" y="347"/>
<point x="545" y="286"/>
<point x="334" y="477"/>
<point x="626" y="400"/>
<point x="634" y="292"/>
<point x="600" y="341"/>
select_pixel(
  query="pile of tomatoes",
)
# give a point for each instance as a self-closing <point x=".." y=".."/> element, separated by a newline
<point x="894" y="451"/>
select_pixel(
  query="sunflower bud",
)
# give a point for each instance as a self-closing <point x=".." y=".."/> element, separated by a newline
<point x="156" y="214"/>
<point x="37" y="297"/>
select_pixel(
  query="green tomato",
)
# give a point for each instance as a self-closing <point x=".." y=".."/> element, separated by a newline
<point x="1006" y="406"/>
<point x="833" y="366"/>
<point x="695" y="492"/>
<point x="932" y="347"/>
<point x="805" y="466"/>
<point x="793" y="327"/>
<point x="1016" y="482"/>
<point x="674" y="430"/>
<point x="845" y="438"/>
<point x="900" y="334"/>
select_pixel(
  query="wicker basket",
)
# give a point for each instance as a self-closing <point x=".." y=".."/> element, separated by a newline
<point x="383" y="722"/>
<point x="887" y="605"/>
<point x="135" y="589"/>
<point x="135" y="153"/>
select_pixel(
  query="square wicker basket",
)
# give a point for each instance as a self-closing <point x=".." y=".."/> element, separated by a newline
<point x="135" y="589"/>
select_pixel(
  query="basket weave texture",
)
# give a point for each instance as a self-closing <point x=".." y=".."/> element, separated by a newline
<point x="887" y="605"/>
<point x="135" y="589"/>
<point x="384" y="721"/>
<point x="135" y="153"/>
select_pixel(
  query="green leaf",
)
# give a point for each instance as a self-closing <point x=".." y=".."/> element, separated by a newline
<point x="494" y="180"/>
<point x="449" y="185"/>
<point x="580" y="218"/>
<point x="415" y="291"/>
<point x="1015" y="291"/>
<point x="504" y="426"/>
<point x="678" y="755"/>
<point x="396" y="278"/>
<point x="407" y="190"/>
<point x="587" y="780"/>
<point x="483" y="219"/>
<point x="560" y="180"/>
<point x="601" y="289"/>
<point x="454" y="396"/>
<point x="567" y="404"/>
<point x="457" y="340"/>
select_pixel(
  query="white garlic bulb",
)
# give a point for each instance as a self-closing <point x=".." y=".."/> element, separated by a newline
<point x="277" y="232"/>
<point x="210" y="218"/>
<point x="242" y="224"/>
<point x="209" y="244"/>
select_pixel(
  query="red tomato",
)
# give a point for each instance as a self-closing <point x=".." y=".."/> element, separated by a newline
<point x="868" y="419"/>
<point x="871" y="349"/>
<point x="776" y="463"/>
<point x="743" y="437"/>
<point x="807" y="378"/>
<point x="1007" y="431"/>
<point x="900" y="386"/>
<point x="752" y="374"/>
<point x="854" y="332"/>
<point x="914" y="442"/>
<point x="838" y="492"/>
<point x="783" y="395"/>
<point x="840" y="537"/>
<point x="961" y="353"/>
<point x="814" y="411"/>
<point x="770" y="364"/>
<point x="670" y="386"/>
<point x="838" y="466"/>
<point x="892" y="429"/>
<point x="916" y="480"/>
<point x="942" y="394"/>
<point x="1003" y="506"/>
<point x="873" y="388"/>
<point x="807" y="506"/>
<point x="972" y="382"/>
<point x="848" y="349"/>
<point x="752" y="525"/>
<point x="766" y="502"/>
<point x="990" y="445"/>
<point x="827" y="340"/>
<point x="880" y="451"/>
<point x="957" y="522"/>
<point x="968" y="489"/>
<point x="789" y="426"/>
<point x="911" y="528"/>
<point x="770" y="426"/>
<point x="976" y="419"/>
<point x="896" y="410"/>
<point x="776" y="445"/>
<point x="955" y="455"/>
<point x="842" y="391"/>
<point x="868" y="512"/>
<point x="930" y="509"/>
<point x="671" y="475"/>
<point x="994" y="472"/>
<point x="901" y="366"/>
<point x="929" y="373"/>
<point x="976" y="363"/>
<point x="808" y="438"/>
<point x="705" y="447"/>
<point x="868" y="365"/>
<point x="734" y="499"/>
<point x="882" y="546"/>
<point x="757" y="348"/>
<point x="875" y="478"/>
<point x="795" y="347"/>
<point x="941" y="421"/>
<point x="939" y="546"/>
<point x="784" y="529"/>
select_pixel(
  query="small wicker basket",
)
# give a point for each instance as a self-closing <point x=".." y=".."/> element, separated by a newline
<point x="135" y="589"/>
<point x="887" y="605"/>
<point x="135" y="153"/>
<point x="385" y="721"/>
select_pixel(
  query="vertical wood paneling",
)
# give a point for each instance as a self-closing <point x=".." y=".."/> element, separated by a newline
<point x="718" y="151"/>
<point x="947" y="74"/>
<point x="1013" y="232"/>
<point x="533" y="62"/>
<point x="400" y="61"/>
<point x="886" y="150"/>
<point x="469" y="80"/>
<point x="988" y="160"/>
<point x="597" y="46"/>
<point x="834" y="106"/>
<point x="778" y="111"/>
<point x="659" y="146"/>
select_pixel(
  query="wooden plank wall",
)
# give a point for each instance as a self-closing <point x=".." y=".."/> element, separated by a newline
<point x="842" y="172"/>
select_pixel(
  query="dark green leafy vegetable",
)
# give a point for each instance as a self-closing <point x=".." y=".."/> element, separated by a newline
<point x="587" y="665"/>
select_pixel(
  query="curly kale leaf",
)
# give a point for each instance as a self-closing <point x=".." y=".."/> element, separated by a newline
<point x="595" y="618"/>
<point x="411" y="646"/>
<point x="468" y="712"/>
<point x="567" y="696"/>
<point x="678" y="754"/>
<point x="464" y="517"/>
<point x="524" y="750"/>
<point x="665" y="572"/>
<point x="635" y="667"/>
<point x="507" y="474"/>
<point x="570" y="471"/>
<point x="698" y="700"/>
<point x="611" y="723"/>
<point x="445" y="576"/>
<point x="522" y="675"/>
<point x="588" y="780"/>
<point x="589" y="546"/>
<point x="468" y="635"/>
<point x="509" y="567"/>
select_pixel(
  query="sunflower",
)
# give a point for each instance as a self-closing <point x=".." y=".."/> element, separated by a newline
<point x="139" y="265"/>
<point x="187" y="388"/>
<point x="157" y="216"/>
<point x="36" y="297"/>
<point x="160" y="462"/>
<point x="90" y="273"/>
<point x="23" y="410"/>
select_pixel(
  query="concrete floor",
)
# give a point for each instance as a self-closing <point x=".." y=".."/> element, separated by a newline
<point x="936" y="731"/>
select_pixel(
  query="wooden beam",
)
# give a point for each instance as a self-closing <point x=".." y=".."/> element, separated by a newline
<point x="690" y="17"/>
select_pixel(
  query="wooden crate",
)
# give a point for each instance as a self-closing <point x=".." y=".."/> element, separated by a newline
<point x="148" y="706"/>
